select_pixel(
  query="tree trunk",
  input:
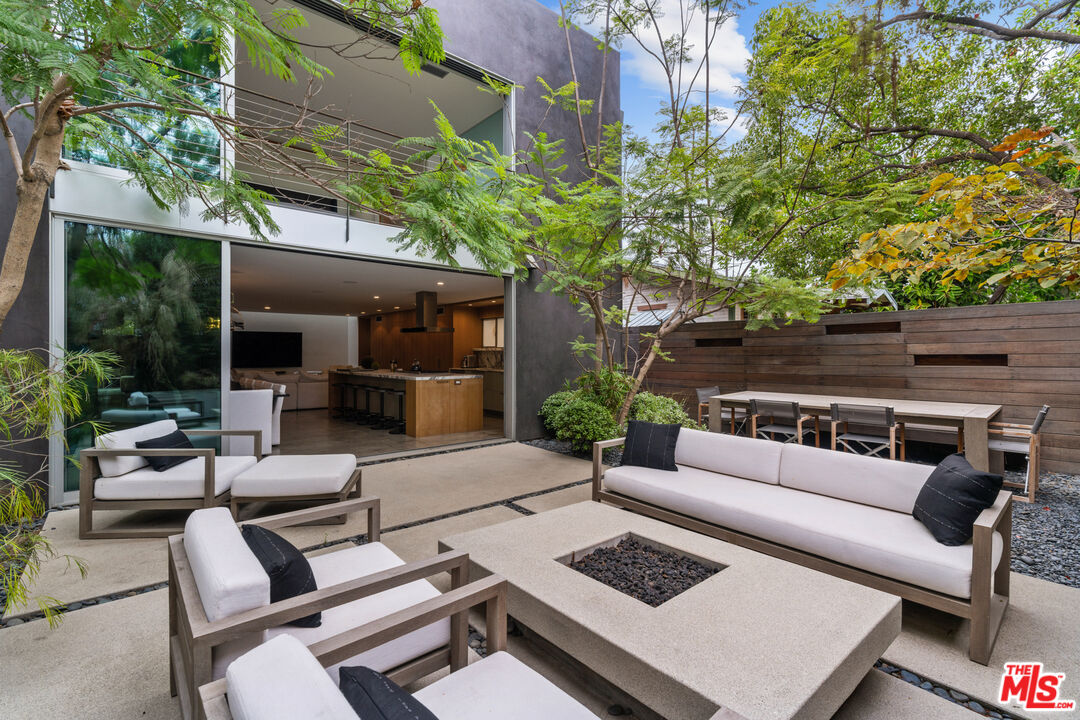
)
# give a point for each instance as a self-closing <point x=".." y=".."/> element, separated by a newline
<point x="30" y="193"/>
<point x="639" y="379"/>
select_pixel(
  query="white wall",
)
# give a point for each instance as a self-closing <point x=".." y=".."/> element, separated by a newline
<point x="328" y="339"/>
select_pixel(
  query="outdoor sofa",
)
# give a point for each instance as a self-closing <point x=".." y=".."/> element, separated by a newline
<point x="220" y="607"/>
<point x="283" y="680"/>
<point x="840" y="513"/>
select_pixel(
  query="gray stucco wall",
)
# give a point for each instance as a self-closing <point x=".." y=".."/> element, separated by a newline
<point x="520" y="40"/>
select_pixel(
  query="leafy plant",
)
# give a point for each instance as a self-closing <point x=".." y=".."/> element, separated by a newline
<point x="660" y="409"/>
<point x="552" y="405"/>
<point x="607" y="386"/>
<point x="35" y="388"/>
<point x="584" y="421"/>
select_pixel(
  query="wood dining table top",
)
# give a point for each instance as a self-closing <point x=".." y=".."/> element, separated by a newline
<point x="928" y="409"/>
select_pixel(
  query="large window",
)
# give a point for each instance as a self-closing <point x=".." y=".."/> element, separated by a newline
<point x="155" y="301"/>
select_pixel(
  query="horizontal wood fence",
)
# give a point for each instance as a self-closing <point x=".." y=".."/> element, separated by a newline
<point x="1017" y="356"/>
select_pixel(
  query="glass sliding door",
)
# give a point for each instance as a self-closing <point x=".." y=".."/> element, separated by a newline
<point x="155" y="301"/>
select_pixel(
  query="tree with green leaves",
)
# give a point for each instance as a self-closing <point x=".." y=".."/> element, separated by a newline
<point x="135" y="84"/>
<point x="673" y="209"/>
<point x="916" y="95"/>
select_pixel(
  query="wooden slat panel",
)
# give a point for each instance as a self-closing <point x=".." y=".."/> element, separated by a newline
<point x="1042" y="341"/>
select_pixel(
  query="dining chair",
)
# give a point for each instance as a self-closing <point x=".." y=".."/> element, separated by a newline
<point x="1019" y="438"/>
<point x="781" y="418"/>
<point x="877" y="430"/>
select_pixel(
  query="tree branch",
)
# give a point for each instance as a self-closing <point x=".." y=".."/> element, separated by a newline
<point x="976" y="26"/>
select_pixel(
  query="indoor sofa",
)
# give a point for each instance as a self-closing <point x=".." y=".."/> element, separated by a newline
<point x="840" y="513"/>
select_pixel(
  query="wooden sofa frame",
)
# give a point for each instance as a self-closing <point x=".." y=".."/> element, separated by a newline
<point x="989" y="589"/>
<point x="90" y="473"/>
<point x="192" y="638"/>
<point x="489" y="592"/>
<point x="351" y="489"/>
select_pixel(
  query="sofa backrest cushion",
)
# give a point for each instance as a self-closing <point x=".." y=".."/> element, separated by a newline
<point x="229" y="576"/>
<point x="282" y="680"/>
<point x="888" y="484"/>
<point x="126" y="439"/>
<point x="729" y="455"/>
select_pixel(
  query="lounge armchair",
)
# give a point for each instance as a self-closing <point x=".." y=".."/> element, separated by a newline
<point x="282" y="680"/>
<point x="114" y="475"/>
<point x="219" y="601"/>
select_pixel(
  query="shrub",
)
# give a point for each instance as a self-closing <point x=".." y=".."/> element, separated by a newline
<point x="660" y="409"/>
<point x="584" y="421"/>
<point x="554" y="403"/>
<point x="606" y="386"/>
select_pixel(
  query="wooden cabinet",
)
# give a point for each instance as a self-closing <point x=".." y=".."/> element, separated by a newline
<point x="444" y="406"/>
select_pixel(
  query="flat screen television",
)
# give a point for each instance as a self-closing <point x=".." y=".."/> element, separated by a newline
<point x="267" y="349"/>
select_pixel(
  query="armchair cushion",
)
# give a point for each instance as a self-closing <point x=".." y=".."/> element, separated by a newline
<point x="125" y="440"/>
<point x="289" y="571"/>
<point x="282" y="680"/>
<point x="952" y="498"/>
<point x="228" y="575"/>
<point x="175" y="439"/>
<point x="373" y="695"/>
<point x="181" y="482"/>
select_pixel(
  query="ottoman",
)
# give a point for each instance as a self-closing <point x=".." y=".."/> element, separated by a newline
<point x="313" y="479"/>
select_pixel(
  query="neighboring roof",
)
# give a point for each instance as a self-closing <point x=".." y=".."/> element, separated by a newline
<point x="648" y="317"/>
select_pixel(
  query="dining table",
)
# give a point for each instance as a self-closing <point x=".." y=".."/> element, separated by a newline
<point x="972" y="418"/>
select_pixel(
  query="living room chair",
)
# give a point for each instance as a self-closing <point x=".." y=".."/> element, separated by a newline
<point x="114" y="475"/>
<point x="769" y="418"/>
<point x="878" y="430"/>
<point x="1018" y="438"/>
<point x="219" y="602"/>
<point x="283" y="680"/>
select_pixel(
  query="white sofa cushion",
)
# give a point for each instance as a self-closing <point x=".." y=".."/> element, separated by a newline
<point x="889" y="484"/>
<point x="126" y="439"/>
<point x="282" y="680"/>
<point x="182" y="481"/>
<point x="284" y="475"/>
<point x="499" y="686"/>
<point x="340" y="566"/>
<point x="251" y="410"/>
<point x="229" y="576"/>
<point x="885" y="542"/>
<point x="729" y="454"/>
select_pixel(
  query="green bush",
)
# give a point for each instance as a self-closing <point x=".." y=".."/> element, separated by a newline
<point x="584" y="421"/>
<point x="660" y="409"/>
<point x="606" y="386"/>
<point x="554" y="403"/>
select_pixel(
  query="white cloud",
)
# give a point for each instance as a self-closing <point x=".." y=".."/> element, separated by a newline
<point x="727" y="57"/>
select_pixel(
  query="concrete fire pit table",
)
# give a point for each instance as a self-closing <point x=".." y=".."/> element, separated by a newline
<point x="761" y="639"/>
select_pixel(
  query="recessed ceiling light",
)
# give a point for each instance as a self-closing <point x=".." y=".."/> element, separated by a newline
<point x="266" y="307"/>
<point x="378" y="309"/>
<point x="470" y="304"/>
<point x="363" y="312"/>
<point x="348" y="314"/>
<point x="494" y="301"/>
<point x="440" y="283"/>
<point x="376" y="297"/>
<point x="397" y="307"/>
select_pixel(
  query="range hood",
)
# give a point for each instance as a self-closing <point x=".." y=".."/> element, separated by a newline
<point x="427" y="312"/>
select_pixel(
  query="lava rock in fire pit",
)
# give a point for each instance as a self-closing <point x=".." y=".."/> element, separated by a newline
<point x="643" y="572"/>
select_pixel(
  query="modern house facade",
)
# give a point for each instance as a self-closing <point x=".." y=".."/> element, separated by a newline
<point x="330" y="261"/>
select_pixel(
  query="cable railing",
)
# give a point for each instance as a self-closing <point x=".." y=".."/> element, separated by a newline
<point x="298" y="154"/>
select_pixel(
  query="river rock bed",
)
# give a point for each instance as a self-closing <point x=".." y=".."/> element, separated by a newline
<point x="1046" y="533"/>
<point x="643" y="572"/>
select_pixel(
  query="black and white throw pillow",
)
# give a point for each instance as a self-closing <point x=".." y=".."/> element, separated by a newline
<point x="373" y="695"/>
<point x="175" y="439"/>
<point x="290" y="572"/>
<point x="952" y="498"/>
<point x="650" y="445"/>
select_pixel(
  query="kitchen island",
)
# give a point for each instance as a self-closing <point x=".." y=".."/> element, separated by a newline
<point x="434" y="403"/>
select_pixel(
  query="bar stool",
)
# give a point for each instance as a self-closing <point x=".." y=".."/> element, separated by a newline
<point x="370" y="416"/>
<point x="340" y="407"/>
<point x="386" y="422"/>
<point x="399" y="424"/>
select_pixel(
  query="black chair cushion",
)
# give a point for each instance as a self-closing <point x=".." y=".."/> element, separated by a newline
<point x="952" y="498"/>
<point x="290" y="572"/>
<point x="175" y="439"/>
<point x="650" y="445"/>
<point x="376" y="697"/>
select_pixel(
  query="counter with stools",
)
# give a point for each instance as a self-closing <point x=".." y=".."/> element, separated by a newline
<point x="416" y="404"/>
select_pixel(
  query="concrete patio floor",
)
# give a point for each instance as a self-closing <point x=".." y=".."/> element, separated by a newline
<point x="109" y="661"/>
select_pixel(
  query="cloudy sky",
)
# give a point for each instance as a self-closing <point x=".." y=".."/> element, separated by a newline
<point x="644" y="85"/>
